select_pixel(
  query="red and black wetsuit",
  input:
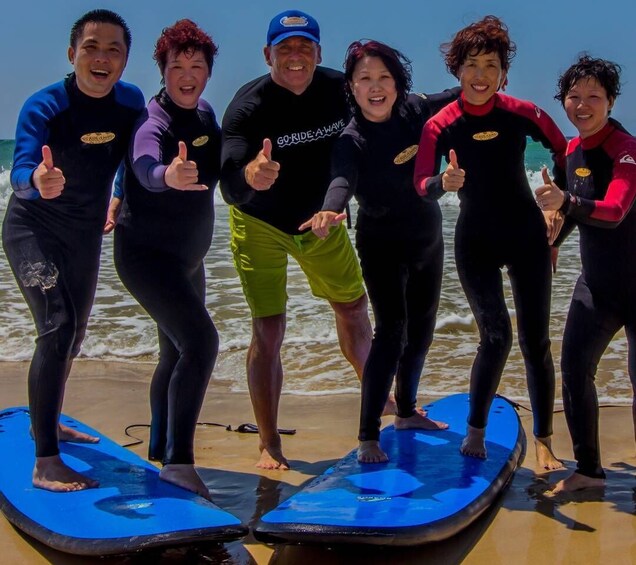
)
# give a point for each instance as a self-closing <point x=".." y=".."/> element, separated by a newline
<point x="499" y="225"/>
<point x="601" y="181"/>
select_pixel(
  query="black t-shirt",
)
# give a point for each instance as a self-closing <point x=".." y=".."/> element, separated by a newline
<point x="302" y="128"/>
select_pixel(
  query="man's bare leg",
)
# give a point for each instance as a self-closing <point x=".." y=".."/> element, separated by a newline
<point x="474" y="444"/>
<point x="545" y="457"/>
<point x="370" y="452"/>
<point x="576" y="482"/>
<point x="185" y="476"/>
<point x="265" y="381"/>
<point x="354" y="331"/>
<point x="51" y="473"/>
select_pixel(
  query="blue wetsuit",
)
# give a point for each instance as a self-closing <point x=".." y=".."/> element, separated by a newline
<point x="499" y="225"/>
<point x="601" y="181"/>
<point x="161" y="240"/>
<point x="53" y="245"/>
<point x="401" y="249"/>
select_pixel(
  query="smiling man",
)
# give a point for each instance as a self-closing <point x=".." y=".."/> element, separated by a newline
<point x="70" y="140"/>
<point x="278" y="135"/>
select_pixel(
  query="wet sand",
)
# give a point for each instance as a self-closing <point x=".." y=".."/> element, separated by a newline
<point x="524" y="526"/>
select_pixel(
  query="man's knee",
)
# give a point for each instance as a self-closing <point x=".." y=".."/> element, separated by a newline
<point x="357" y="309"/>
<point x="268" y="333"/>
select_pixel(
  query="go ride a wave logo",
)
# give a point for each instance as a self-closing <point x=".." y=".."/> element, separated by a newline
<point x="310" y="135"/>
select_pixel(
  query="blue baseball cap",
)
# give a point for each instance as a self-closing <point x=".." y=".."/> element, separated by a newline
<point x="292" y="23"/>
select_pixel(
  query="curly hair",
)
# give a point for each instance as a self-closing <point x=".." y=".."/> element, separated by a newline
<point x="607" y="73"/>
<point x="396" y="62"/>
<point x="184" y="37"/>
<point x="489" y="35"/>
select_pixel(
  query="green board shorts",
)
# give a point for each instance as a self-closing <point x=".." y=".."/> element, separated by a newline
<point x="261" y="255"/>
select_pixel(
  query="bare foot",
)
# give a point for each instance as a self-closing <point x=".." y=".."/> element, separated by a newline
<point x="370" y="452"/>
<point x="390" y="408"/>
<point x="272" y="457"/>
<point x="185" y="476"/>
<point x="576" y="482"/>
<point x="51" y="473"/>
<point x="545" y="457"/>
<point x="474" y="444"/>
<point x="419" y="422"/>
<point x="71" y="434"/>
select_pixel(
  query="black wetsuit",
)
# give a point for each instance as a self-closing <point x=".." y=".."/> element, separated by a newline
<point x="161" y="240"/>
<point x="302" y="129"/>
<point x="400" y="245"/>
<point x="601" y="181"/>
<point x="53" y="245"/>
<point x="499" y="225"/>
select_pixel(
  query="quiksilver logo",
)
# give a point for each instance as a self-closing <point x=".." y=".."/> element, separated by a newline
<point x="199" y="141"/>
<point x="627" y="159"/>
<point x="406" y="155"/>
<point x="537" y="111"/>
<point x="97" y="138"/>
<point x="485" y="135"/>
<point x="582" y="172"/>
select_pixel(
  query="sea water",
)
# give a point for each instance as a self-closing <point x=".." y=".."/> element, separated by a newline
<point x="120" y="330"/>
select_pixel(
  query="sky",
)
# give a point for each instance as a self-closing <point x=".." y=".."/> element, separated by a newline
<point x="549" y="34"/>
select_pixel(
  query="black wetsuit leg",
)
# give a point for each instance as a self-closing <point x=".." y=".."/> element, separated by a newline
<point x="173" y="295"/>
<point x="590" y="326"/>
<point x="57" y="279"/>
<point x="403" y="282"/>
<point x="481" y="278"/>
<point x="530" y="273"/>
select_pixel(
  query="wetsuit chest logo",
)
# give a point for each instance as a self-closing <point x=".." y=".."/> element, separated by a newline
<point x="98" y="138"/>
<point x="582" y="172"/>
<point x="199" y="141"/>
<point x="406" y="155"/>
<point x="485" y="135"/>
<point x="627" y="159"/>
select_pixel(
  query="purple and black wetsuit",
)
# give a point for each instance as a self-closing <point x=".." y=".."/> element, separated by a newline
<point x="161" y="240"/>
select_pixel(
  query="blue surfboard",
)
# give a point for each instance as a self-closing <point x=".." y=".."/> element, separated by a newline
<point x="131" y="510"/>
<point x="427" y="491"/>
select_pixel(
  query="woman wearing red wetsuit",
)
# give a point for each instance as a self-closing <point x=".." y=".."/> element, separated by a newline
<point x="483" y="135"/>
<point x="601" y="188"/>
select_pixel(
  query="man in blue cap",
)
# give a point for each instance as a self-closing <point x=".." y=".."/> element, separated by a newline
<point x="278" y="133"/>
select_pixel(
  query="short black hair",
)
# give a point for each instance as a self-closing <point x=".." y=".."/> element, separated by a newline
<point x="607" y="73"/>
<point x="100" y="16"/>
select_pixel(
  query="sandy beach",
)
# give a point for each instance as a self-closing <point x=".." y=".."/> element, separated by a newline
<point x="524" y="526"/>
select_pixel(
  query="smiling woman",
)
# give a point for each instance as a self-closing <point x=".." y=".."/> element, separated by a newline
<point x="483" y="136"/>
<point x="163" y="235"/>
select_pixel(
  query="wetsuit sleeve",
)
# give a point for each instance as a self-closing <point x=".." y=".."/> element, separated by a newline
<point x="427" y="179"/>
<point x="32" y="132"/>
<point x="568" y="226"/>
<point x="236" y="153"/>
<point x="546" y="132"/>
<point x="118" y="185"/>
<point x="435" y="102"/>
<point x="344" y="174"/>
<point x="146" y="154"/>
<point x="618" y="200"/>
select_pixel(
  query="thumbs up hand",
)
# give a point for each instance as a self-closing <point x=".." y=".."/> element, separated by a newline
<point x="262" y="172"/>
<point x="453" y="177"/>
<point x="182" y="174"/>
<point x="47" y="178"/>
<point x="549" y="195"/>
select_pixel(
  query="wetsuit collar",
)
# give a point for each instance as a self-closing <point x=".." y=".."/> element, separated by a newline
<point x="480" y="110"/>
<point x="599" y="137"/>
